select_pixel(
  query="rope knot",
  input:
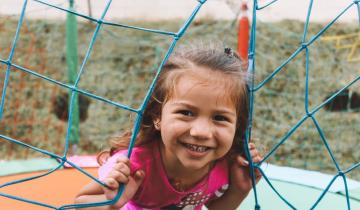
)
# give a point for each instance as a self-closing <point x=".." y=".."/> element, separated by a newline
<point x="341" y="173"/>
<point x="309" y="114"/>
<point x="7" y="62"/>
<point x="304" y="45"/>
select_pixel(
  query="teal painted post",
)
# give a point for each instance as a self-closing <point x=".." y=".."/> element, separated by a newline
<point x="72" y="64"/>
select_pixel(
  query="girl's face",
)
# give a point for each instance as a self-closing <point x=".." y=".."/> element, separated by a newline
<point x="198" y="122"/>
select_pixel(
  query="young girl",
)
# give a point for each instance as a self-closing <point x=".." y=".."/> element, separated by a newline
<point x="188" y="152"/>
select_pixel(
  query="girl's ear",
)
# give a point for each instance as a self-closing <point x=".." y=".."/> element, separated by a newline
<point x="157" y="124"/>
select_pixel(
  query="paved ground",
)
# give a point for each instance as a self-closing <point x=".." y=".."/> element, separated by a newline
<point x="323" y="10"/>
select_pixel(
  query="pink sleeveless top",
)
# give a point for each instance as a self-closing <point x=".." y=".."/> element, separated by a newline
<point x="157" y="193"/>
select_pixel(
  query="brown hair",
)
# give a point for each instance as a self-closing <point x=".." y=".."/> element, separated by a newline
<point x="225" y="63"/>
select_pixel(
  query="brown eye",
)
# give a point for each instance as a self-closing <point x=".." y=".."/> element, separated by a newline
<point x="220" y="118"/>
<point x="186" y="113"/>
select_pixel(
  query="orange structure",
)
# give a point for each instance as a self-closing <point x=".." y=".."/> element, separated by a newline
<point x="56" y="189"/>
<point x="243" y="33"/>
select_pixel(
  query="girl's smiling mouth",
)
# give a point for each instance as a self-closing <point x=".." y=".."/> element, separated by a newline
<point x="195" y="148"/>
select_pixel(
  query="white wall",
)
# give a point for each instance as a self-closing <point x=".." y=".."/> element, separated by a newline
<point x="323" y="10"/>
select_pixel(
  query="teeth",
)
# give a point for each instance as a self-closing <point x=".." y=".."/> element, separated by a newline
<point x="196" y="148"/>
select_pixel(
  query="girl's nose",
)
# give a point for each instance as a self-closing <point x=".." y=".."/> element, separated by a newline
<point x="201" y="129"/>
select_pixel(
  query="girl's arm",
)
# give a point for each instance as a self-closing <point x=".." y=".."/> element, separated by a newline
<point x="240" y="182"/>
<point x="120" y="174"/>
<point x="91" y="193"/>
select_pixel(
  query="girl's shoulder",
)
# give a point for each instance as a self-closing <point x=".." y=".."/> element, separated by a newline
<point x="139" y="150"/>
<point x="140" y="155"/>
<point x="141" y="158"/>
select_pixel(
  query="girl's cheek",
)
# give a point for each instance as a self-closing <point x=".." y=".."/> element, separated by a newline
<point x="176" y="127"/>
<point x="228" y="132"/>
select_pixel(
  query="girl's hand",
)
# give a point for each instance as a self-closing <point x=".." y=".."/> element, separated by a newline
<point x="120" y="174"/>
<point x="240" y="172"/>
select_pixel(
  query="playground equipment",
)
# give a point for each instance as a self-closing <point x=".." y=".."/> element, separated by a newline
<point x="287" y="128"/>
<point x="243" y="34"/>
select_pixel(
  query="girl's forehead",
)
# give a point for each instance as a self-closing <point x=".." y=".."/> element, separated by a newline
<point x="205" y="74"/>
<point x="203" y="82"/>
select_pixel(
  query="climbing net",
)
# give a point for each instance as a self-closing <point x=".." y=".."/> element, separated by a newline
<point x="309" y="113"/>
<point x="74" y="88"/>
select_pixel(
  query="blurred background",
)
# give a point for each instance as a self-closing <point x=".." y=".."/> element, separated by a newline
<point x="123" y="62"/>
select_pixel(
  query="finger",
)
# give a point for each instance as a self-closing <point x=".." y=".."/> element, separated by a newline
<point x="123" y="159"/>
<point x="111" y="183"/>
<point x="123" y="168"/>
<point x="252" y="146"/>
<point x="241" y="160"/>
<point x="110" y="189"/>
<point x="258" y="175"/>
<point x="257" y="159"/>
<point x="118" y="176"/>
<point x="131" y="188"/>
<point x="254" y="153"/>
<point x="139" y="177"/>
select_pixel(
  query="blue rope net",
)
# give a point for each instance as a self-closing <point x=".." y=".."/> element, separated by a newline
<point x="309" y="114"/>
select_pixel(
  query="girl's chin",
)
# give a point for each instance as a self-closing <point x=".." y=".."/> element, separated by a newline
<point x="194" y="165"/>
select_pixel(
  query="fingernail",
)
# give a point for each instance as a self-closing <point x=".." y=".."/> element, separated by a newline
<point x="246" y="162"/>
<point x="139" y="175"/>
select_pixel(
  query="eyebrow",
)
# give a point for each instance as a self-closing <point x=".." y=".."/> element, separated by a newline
<point x="185" y="104"/>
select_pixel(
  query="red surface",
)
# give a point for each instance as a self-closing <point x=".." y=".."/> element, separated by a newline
<point x="56" y="189"/>
<point x="243" y="34"/>
<point x="243" y="38"/>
